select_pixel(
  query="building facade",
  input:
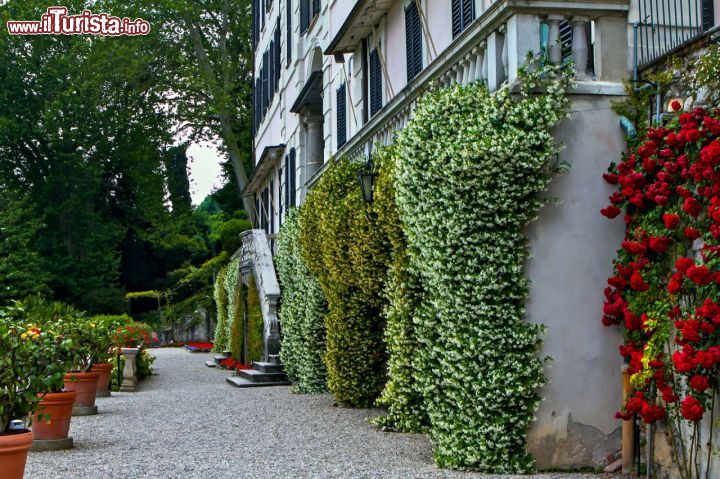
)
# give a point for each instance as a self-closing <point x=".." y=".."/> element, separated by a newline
<point x="337" y="77"/>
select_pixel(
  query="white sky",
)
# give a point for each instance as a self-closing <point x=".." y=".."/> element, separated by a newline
<point x="205" y="170"/>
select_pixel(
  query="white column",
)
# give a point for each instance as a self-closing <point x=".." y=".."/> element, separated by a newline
<point x="580" y="47"/>
<point x="496" y="74"/>
<point x="554" y="46"/>
<point x="314" y="144"/>
<point x="484" y="67"/>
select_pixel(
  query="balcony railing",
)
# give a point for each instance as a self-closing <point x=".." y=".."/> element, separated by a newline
<point x="665" y="25"/>
<point x="495" y="46"/>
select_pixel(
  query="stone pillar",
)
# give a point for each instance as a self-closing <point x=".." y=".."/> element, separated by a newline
<point x="495" y="69"/>
<point x="554" y="46"/>
<point x="522" y="37"/>
<point x="580" y="47"/>
<point x="130" y="370"/>
<point x="314" y="144"/>
<point x="611" y="54"/>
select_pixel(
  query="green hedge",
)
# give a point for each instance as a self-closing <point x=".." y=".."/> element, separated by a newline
<point x="469" y="170"/>
<point x="302" y="314"/>
<point x="255" y="341"/>
<point x="402" y="395"/>
<point x="342" y="246"/>
<point x="222" y="339"/>
<point x="237" y="330"/>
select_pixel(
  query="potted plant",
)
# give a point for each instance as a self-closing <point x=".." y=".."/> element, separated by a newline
<point x="21" y="348"/>
<point x="103" y="349"/>
<point x="130" y="339"/>
<point x="81" y="378"/>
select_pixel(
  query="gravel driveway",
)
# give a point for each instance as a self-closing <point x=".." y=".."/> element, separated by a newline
<point x="186" y="422"/>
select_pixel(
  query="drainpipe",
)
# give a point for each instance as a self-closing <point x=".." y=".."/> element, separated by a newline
<point x="628" y="438"/>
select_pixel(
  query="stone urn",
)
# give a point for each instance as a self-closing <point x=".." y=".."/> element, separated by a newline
<point x="130" y="371"/>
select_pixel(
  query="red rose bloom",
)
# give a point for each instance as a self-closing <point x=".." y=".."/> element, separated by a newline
<point x="692" y="233"/>
<point x="676" y="105"/>
<point x="660" y="244"/>
<point x="674" y="286"/>
<point x="699" y="383"/>
<point x="699" y="275"/>
<point x="671" y="220"/>
<point x="611" y="178"/>
<point x="691" y="409"/>
<point x="682" y="264"/>
<point x="610" y="211"/>
<point x="637" y="283"/>
<point x="692" y="206"/>
<point x="633" y="247"/>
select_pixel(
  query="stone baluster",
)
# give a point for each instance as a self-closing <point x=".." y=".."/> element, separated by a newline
<point x="580" y="47"/>
<point x="554" y="46"/>
<point x="484" y="62"/>
<point x="505" y="58"/>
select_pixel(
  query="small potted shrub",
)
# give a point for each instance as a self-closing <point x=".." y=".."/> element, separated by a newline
<point x="22" y="348"/>
<point x="81" y="379"/>
<point x="103" y="349"/>
<point x="130" y="339"/>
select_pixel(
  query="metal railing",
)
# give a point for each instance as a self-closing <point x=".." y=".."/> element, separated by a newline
<point x="668" y="24"/>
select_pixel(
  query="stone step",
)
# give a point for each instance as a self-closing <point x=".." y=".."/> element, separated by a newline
<point x="210" y="364"/>
<point x="267" y="367"/>
<point x="219" y="357"/>
<point x="239" y="382"/>
<point x="274" y="359"/>
<point x="260" y="377"/>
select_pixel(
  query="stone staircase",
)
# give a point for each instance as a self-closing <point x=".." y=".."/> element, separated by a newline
<point x="262" y="374"/>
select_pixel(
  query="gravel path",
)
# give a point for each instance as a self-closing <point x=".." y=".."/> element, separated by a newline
<point x="186" y="422"/>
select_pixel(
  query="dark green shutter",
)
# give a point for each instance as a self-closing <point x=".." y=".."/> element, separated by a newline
<point x="375" y="83"/>
<point x="341" y="116"/>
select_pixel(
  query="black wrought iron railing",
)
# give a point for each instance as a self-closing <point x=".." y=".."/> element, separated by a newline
<point x="668" y="24"/>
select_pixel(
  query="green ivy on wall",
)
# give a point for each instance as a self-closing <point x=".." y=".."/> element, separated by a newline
<point x="237" y="330"/>
<point x="222" y="339"/>
<point x="344" y="249"/>
<point x="302" y="314"/>
<point x="404" y="293"/>
<point x="469" y="170"/>
<point x="255" y="341"/>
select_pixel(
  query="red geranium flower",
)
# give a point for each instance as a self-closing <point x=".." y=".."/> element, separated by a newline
<point x="699" y="383"/>
<point x="671" y="220"/>
<point x="692" y="206"/>
<point x="692" y="233"/>
<point x="610" y="211"/>
<point x="699" y="275"/>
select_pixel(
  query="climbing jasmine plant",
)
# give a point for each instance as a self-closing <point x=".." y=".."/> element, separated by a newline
<point x="469" y="169"/>
<point x="222" y="338"/>
<point x="302" y="314"/>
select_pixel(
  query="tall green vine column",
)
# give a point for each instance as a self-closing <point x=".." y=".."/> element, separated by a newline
<point x="470" y="166"/>
<point x="302" y="314"/>
<point x="402" y="396"/>
<point x="222" y="336"/>
<point x="343" y="248"/>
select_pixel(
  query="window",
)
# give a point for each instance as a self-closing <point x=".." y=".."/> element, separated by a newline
<point x="265" y="209"/>
<point x="256" y="23"/>
<point x="265" y="82"/>
<point x="341" y="116"/>
<point x="304" y="16"/>
<point x="308" y="10"/>
<point x="463" y="13"/>
<point x="271" y="68"/>
<point x="281" y="211"/>
<point x="270" y="209"/>
<point x="276" y="55"/>
<point x="291" y="175"/>
<point x="288" y="26"/>
<point x="413" y="39"/>
<point x="375" y="74"/>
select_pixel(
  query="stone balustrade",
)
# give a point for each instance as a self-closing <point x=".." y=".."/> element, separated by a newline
<point x="496" y="45"/>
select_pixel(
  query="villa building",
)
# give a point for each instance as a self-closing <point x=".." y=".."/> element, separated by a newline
<point x="338" y="77"/>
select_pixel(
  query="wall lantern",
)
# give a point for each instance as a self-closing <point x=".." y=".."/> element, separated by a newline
<point x="367" y="176"/>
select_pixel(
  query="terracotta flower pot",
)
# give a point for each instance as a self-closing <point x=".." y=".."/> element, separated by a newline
<point x="13" y="454"/>
<point x="85" y="384"/>
<point x="59" y="407"/>
<point x="103" y="385"/>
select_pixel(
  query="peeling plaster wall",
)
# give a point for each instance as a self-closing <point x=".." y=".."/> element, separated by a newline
<point x="573" y="247"/>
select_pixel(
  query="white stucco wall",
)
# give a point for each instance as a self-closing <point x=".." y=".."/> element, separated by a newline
<point x="573" y="247"/>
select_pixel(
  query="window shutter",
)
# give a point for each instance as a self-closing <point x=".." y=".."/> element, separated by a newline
<point x="468" y="13"/>
<point x="288" y="28"/>
<point x="292" y="178"/>
<point x="271" y="212"/>
<point x="266" y="82"/>
<point x="271" y="73"/>
<point x="316" y="7"/>
<point x="375" y="83"/>
<point x="566" y="39"/>
<point x="278" y="52"/>
<point x="413" y="39"/>
<point x="341" y="116"/>
<point x="304" y="16"/>
<point x="286" y="169"/>
<point x="254" y="24"/>
<point x="456" y="17"/>
<point x="708" y="14"/>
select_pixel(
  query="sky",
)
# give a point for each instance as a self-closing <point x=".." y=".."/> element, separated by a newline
<point x="205" y="170"/>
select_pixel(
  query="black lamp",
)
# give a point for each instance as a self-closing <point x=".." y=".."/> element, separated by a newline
<point x="367" y="177"/>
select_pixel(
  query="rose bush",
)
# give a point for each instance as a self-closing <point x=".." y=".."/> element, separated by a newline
<point x="665" y="289"/>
